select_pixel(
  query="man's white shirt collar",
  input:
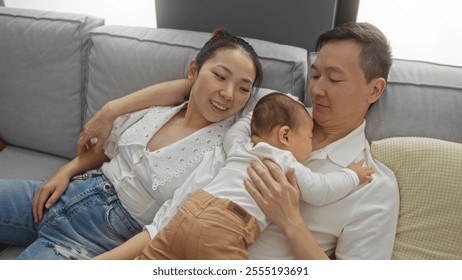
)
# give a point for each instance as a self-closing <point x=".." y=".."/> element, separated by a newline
<point x="345" y="150"/>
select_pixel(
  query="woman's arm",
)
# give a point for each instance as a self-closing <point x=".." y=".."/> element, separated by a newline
<point x="278" y="196"/>
<point x="100" y="125"/>
<point x="129" y="250"/>
<point x="53" y="188"/>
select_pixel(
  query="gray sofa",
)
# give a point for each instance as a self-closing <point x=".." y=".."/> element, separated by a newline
<point x="57" y="70"/>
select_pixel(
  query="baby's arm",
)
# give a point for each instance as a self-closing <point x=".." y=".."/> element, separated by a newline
<point x="237" y="134"/>
<point x="364" y="172"/>
<point x="320" y="189"/>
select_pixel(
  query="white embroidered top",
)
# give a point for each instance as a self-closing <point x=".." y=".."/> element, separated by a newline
<point x="316" y="188"/>
<point x="145" y="179"/>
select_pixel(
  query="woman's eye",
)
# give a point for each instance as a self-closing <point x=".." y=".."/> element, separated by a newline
<point x="315" y="77"/>
<point x="246" y="90"/>
<point x="221" y="77"/>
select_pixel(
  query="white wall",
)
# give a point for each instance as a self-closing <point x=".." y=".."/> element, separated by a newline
<point x="418" y="29"/>
<point x="118" y="12"/>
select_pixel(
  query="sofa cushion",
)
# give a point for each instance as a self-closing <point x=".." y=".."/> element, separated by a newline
<point x="429" y="180"/>
<point x="20" y="163"/>
<point x="124" y="59"/>
<point x="42" y="74"/>
<point x="421" y="99"/>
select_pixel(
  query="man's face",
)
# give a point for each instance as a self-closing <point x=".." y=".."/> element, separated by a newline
<point x="339" y="92"/>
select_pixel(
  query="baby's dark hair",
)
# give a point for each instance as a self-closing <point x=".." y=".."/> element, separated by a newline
<point x="275" y="110"/>
<point x="221" y="38"/>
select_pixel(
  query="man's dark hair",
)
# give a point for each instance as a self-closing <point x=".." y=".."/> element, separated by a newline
<point x="376" y="52"/>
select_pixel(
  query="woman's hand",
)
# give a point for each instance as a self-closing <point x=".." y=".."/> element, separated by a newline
<point x="48" y="194"/>
<point x="99" y="126"/>
<point x="276" y="193"/>
<point x="96" y="130"/>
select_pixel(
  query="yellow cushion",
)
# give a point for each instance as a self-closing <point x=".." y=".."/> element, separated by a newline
<point x="429" y="174"/>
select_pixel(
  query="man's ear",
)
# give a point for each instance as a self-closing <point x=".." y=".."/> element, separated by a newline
<point x="284" y="135"/>
<point x="378" y="86"/>
<point x="193" y="69"/>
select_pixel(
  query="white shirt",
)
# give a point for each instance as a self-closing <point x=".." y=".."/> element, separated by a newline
<point x="361" y="225"/>
<point x="316" y="188"/>
<point x="145" y="179"/>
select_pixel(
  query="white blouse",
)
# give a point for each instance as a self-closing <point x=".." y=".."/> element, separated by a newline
<point x="145" y="179"/>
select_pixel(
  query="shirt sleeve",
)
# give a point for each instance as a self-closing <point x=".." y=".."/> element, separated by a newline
<point x="119" y="126"/>
<point x="371" y="228"/>
<point x="320" y="189"/>
<point x="238" y="134"/>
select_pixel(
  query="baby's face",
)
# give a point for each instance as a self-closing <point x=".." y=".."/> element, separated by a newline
<point x="301" y="145"/>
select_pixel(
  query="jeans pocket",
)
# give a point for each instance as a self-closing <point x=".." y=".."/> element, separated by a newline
<point x="120" y="224"/>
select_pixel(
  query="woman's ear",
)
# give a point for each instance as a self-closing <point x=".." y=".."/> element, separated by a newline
<point x="378" y="86"/>
<point x="193" y="69"/>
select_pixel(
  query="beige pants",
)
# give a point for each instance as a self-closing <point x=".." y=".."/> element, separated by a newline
<point x="205" y="227"/>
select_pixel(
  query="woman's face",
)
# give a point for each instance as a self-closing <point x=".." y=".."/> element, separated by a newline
<point x="223" y="85"/>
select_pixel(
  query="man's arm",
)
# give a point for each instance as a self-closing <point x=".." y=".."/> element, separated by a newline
<point x="278" y="196"/>
<point x="100" y="125"/>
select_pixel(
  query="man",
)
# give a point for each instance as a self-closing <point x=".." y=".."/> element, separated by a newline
<point x="348" y="76"/>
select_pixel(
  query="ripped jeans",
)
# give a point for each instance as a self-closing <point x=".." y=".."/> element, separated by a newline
<point x="86" y="221"/>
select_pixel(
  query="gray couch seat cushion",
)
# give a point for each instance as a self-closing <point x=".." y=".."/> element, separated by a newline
<point x="20" y="163"/>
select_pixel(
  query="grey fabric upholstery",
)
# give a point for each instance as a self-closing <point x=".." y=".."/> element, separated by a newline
<point x="42" y="76"/>
<point x="124" y="59"/>
<point x="421" y="99"/>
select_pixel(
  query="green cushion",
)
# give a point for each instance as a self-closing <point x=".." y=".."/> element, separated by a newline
<point x="429" y="174"/>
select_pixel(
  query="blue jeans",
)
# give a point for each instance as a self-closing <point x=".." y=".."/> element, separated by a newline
<point x="86" y="221"/>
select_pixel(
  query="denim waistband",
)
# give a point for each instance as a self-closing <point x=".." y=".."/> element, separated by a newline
<point x="89" y="174"/>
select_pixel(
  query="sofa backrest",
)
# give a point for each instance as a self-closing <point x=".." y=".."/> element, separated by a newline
<point x="43" y="57"/>
<point x="124" y="59"/>
<point x="421" y="99"/>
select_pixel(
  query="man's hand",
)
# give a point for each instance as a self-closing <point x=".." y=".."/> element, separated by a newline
<point x="276" y="193"/>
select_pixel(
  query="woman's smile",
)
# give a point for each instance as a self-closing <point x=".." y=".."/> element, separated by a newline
<point x="221" y="107"/>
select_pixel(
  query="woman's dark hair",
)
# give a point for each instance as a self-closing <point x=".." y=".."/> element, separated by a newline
<point x="376" y="52"/>
<point x="221" y="38"/>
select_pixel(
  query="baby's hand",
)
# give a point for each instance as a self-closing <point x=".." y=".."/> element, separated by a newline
<point x="364" y="173"/>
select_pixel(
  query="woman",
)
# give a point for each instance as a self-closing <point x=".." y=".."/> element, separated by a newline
<point x="79" y="216"/>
